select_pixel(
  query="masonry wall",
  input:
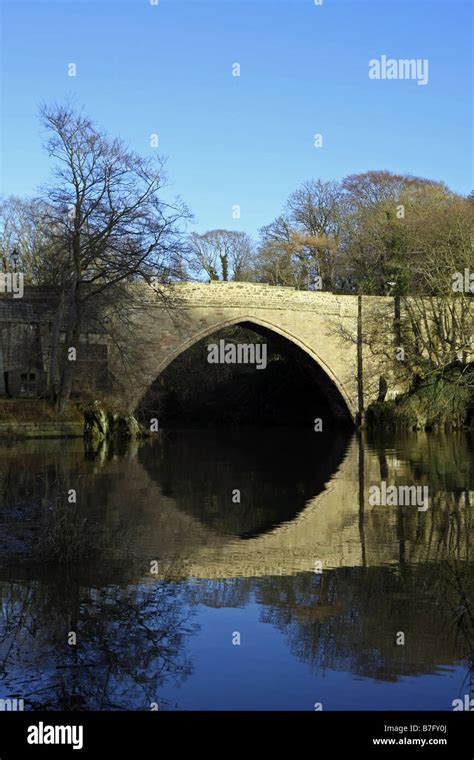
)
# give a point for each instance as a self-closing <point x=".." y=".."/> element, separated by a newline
<point x="321" y="324"/>
<point x="25" y="346"/>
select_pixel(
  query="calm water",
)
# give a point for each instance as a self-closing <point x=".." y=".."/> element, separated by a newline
<point x="236" y="570"/>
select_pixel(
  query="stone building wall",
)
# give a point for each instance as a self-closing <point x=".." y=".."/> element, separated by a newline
<point x="25" y="345"/>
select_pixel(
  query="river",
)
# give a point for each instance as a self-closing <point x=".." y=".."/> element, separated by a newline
<point x="237" y="569"/>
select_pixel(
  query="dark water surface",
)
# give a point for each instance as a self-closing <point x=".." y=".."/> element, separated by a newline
<point x="188" y="573"/>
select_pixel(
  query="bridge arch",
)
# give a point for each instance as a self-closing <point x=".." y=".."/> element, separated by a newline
<point x="337" y="394"/>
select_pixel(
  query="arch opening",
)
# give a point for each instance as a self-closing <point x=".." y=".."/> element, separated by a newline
<point x="244" y="373"/>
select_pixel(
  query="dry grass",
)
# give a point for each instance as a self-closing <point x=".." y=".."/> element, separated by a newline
<point x="36" y="410"/>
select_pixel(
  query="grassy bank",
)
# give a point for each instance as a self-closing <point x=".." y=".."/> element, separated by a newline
<point x="35" y="418"/>
<point x="36" y="410"/>
<point x="444" y="401"/>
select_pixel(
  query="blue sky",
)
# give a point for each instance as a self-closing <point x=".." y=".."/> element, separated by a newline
<point x="247" y="140"/>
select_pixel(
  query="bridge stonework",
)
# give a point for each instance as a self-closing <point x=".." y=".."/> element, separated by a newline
<point x="316" y="323"/>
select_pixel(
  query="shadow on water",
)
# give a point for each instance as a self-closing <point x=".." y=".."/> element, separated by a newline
<point x="274" y="475"/>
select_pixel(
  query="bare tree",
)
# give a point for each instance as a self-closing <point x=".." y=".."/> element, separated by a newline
<point x="104" y="212"/>
<point x="222" y="255"/>
<point x="24" y="241"/>
<point x="301" y="244"/>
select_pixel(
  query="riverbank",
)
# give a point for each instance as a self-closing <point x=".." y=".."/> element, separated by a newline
<point x="440" y="402"/>
<point x="35" y="418"/>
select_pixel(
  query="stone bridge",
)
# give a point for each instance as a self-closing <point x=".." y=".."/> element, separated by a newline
<point x="313" y="325"/>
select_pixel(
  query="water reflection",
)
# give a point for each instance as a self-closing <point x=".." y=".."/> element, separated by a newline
<point x="164" y="636"/>
<point x="67" y="647"/>
<point x="275" y="477"/>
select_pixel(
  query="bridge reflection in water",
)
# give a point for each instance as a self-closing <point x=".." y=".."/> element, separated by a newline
<point x="248" y="566"/>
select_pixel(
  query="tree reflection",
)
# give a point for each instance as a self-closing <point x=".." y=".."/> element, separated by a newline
<point x="397" y="569"/>
<point x="130" y="641"/>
